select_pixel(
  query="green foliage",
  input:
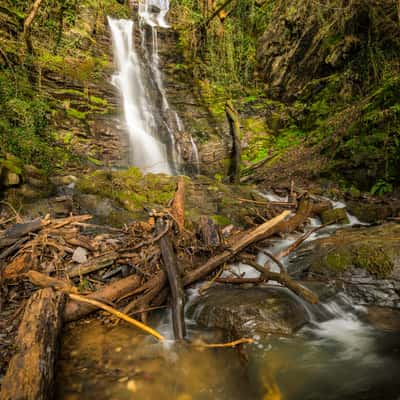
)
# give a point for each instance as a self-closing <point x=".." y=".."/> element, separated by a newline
<point x="24" y="118"/>
<point x="381" y="187"/>
<point x="222" y="52"/>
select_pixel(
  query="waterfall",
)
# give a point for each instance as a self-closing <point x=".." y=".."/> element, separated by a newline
<point x="147" y="151"/>
<point x="151" y="124"/>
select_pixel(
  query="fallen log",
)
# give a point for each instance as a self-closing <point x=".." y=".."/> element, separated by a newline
<point x="118" y="314"/>
<point x="96" y="263"/>
<point x="175" y="282"/>
<point x="109" y="293"/>
<point x="17" y="231"/>
<point x="250" y="237"/>
<point x="30" y="374"/>
<point x="151" y="289"/>
<point x="283" y="279"/>
<point x="45" y="281"/>
<point x="269" y="228"/>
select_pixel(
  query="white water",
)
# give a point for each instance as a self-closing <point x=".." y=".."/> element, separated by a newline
<point x="147" y="151"/>
<point x="151" y="129"/>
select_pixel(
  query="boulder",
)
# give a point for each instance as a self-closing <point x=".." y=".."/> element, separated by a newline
<point x="249" y="311"/>
<point x="336" y="215"/>
<point x="364" y="262"/>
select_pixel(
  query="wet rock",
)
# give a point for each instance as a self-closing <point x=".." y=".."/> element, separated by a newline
<point x="371" y="211"/>
<point x="63" y="180"/>
<point x="385" y="319"/>
<point x="336" y="215"/>
<point x="61" y="206"/>
<point x="245" y="312"/>
<point x="364" y="262"/>
<point x="104" y="210"/>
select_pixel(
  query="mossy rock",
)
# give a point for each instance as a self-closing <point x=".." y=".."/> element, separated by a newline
<point x="336" y="215"/>
<point x="373" y="253"/>
<point x="138" y="193"/>
<point x="369" y="212"/>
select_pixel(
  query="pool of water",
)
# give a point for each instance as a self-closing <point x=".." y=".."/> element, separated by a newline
<point x="342" y="358"/>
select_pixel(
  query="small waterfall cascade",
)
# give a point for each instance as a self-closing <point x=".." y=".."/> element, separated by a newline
<point x="153" y="126"/>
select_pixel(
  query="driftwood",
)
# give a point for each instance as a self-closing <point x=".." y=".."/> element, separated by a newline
<point x="45" y="281"/>
<point x="94" y="264"/>
<point x="269" y="203"/>
<point x="151" y="290"/>
<point x="109" y="293"/>
<point x="18" y="266"/>
<point x="175" y="282"/>
<point x="250" y="237"/>
<point x="284" y="279"/>
<point x="17" y="231"/>
<point x="236" y="153"/>
<point x="118" y="314"/>
<point x="30" y="374"/>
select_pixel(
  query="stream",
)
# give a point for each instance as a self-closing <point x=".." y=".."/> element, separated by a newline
<point x="336" y="355"/>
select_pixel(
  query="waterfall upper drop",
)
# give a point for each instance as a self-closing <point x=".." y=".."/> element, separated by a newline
<point x="149" y="149"/>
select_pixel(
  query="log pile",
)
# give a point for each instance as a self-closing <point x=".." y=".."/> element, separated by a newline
<point x="129" y="271"/>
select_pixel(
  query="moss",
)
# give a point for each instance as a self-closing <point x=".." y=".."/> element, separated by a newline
<point x="337" y="262"/>
<point x="95" y="161"/>
<point x="130" y="188"/>
<point x="99" y="101"/>
<point x="73" y="113"/>
<point x="336" y="215"/>
<point x="221" y="220"/>
<point x="376" y="260"/>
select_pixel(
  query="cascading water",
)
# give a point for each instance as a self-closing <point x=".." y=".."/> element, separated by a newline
<point x="151" y="123"/>
<point x="147" y="151"/>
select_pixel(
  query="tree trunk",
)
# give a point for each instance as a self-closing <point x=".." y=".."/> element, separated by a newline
<point x="27" y="24"/>
<point x="236" y="153"/>
<point x="175" y="282"/>
<point x="30" y="374"/>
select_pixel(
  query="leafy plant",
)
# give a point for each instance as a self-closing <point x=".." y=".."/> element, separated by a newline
<point x="381" y="187"/>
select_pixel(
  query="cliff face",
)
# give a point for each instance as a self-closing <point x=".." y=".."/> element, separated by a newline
<point x="337" y="62"/>
<point x="57" y="106"/>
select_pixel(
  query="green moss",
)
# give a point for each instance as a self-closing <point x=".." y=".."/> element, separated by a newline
<point x="73" y="113"/>
<point x="337" y="262"/>
<point x="95" y="161"/>
<point x="376" y="260"/>
<point x="130" y="188"/>
<point x="99" y="101"/>
<point x="221" y="220"/>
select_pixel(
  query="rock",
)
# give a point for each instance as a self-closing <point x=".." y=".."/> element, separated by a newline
<point x="11" y="179"/>
<point x="104" y="210"/>
<point x="61" y="206"/>
<point x="245" y="312"/>
<point x="371" y="211"/>
<point x="80" y="255"/>
<point x="336" y="215"/>
<point x="385" y="319"/>
<point x="364" y="262"/>
<point x="63" y="180"/>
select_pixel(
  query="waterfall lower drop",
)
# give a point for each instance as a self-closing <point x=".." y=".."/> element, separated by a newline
<point x="151" y="128"/>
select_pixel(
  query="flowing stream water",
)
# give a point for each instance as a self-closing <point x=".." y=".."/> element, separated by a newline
<point x="335" y="356"/>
